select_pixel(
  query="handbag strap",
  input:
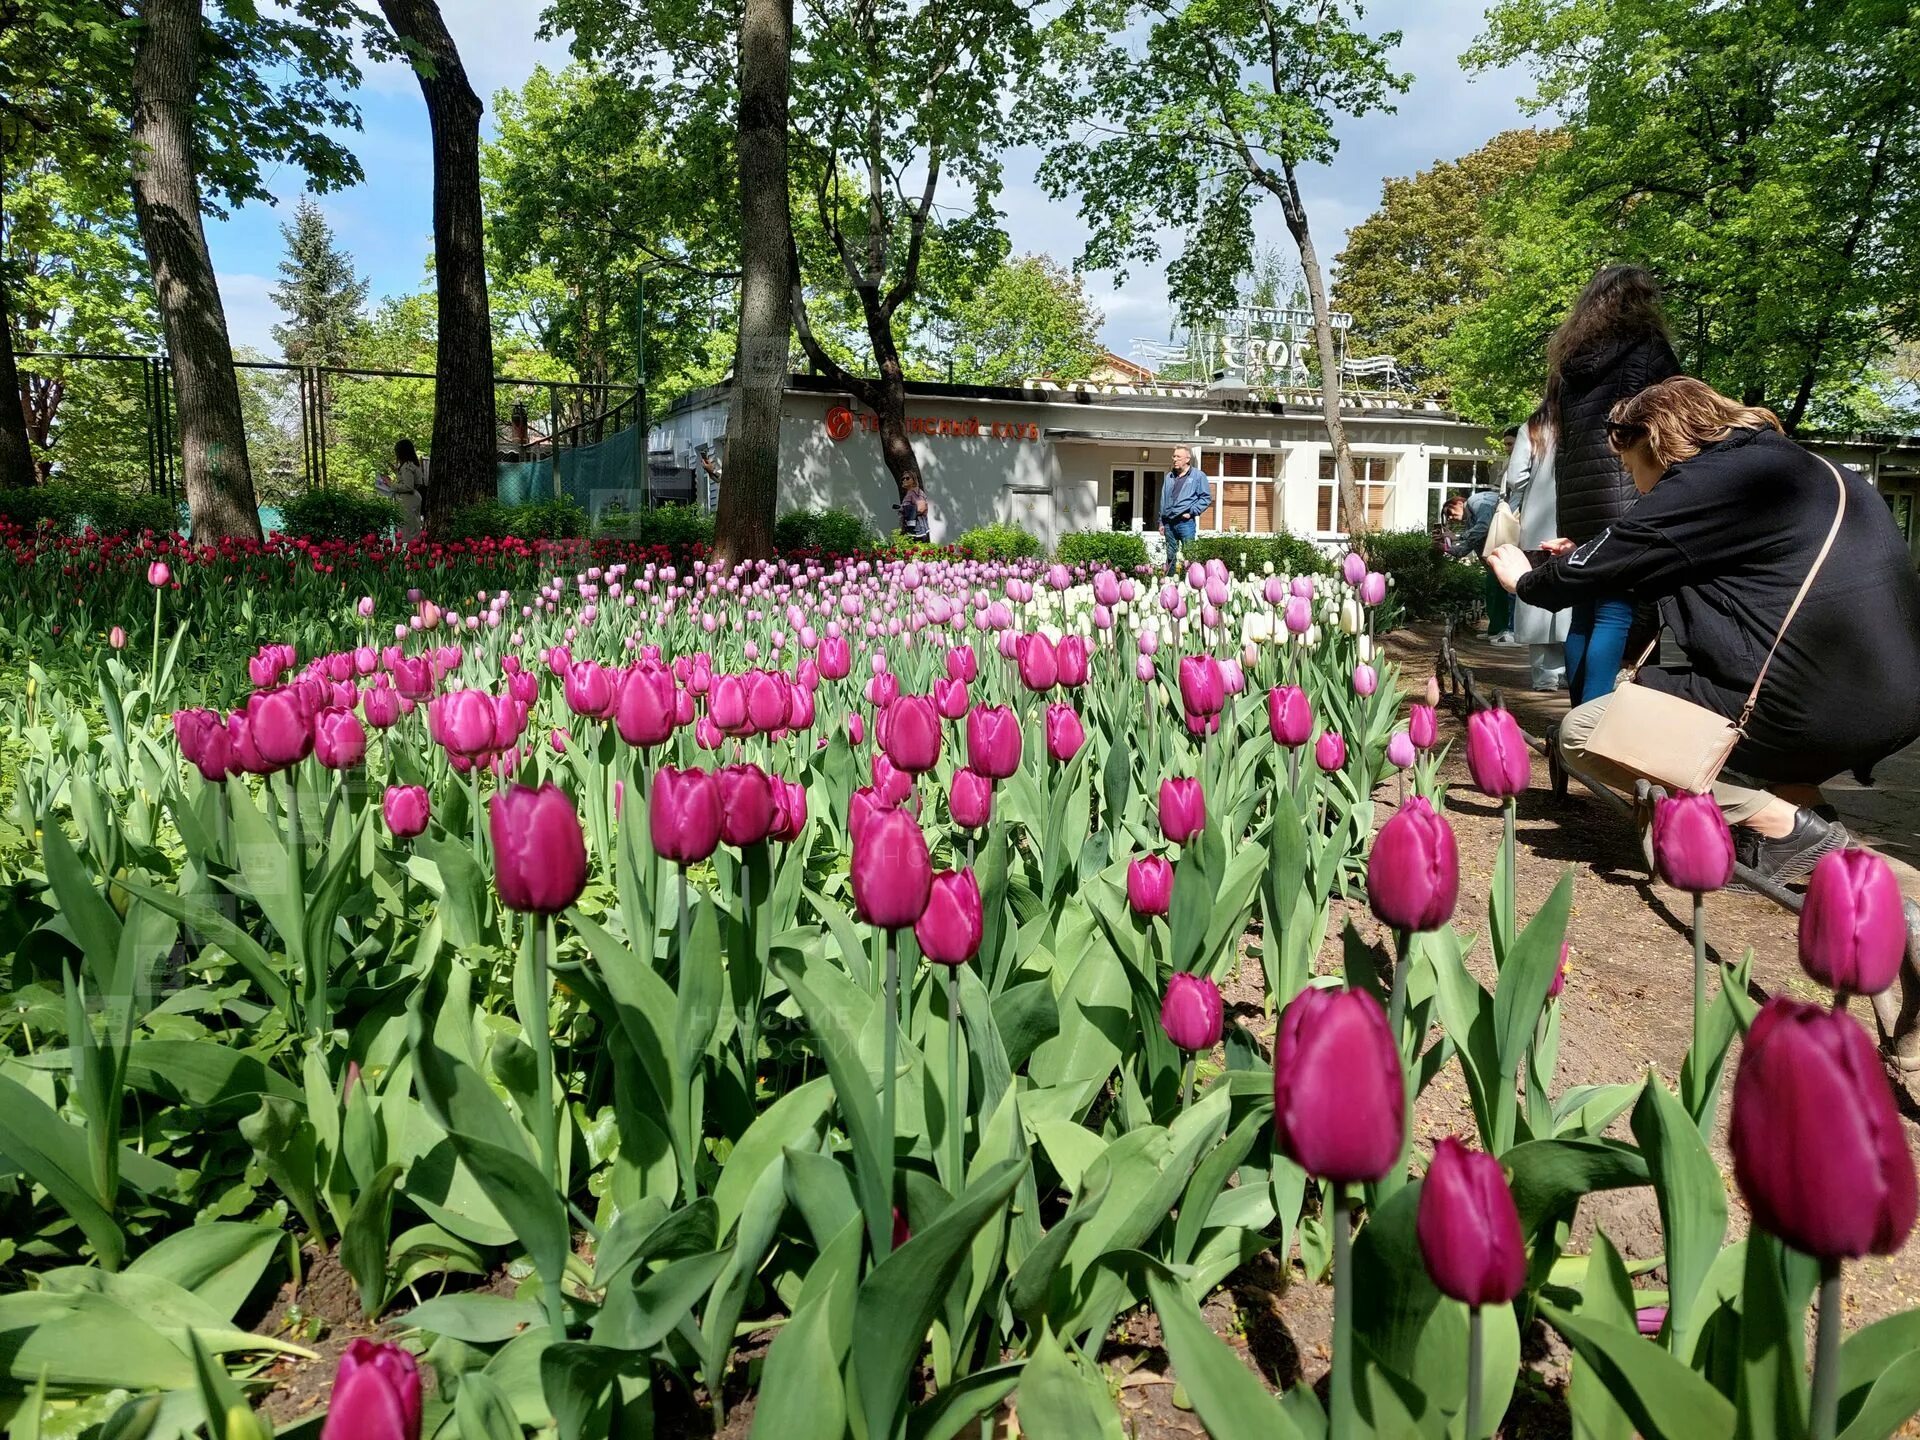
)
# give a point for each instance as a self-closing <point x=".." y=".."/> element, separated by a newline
<point x="1833" y="533"/>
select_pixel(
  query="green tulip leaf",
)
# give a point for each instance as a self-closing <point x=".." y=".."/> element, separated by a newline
<point x="1228" y="1397"/>
<point x="219" y="1261"/>
<point x="801" y="1393"/>
<point x="1693" y="1206"/>
<point x="482" y="1411"/>
<point x="1060" y="1398"/>
<point x="53" y="1154"/>
<point x="1664" y="1399"/>
<point x="960" y="1405"/>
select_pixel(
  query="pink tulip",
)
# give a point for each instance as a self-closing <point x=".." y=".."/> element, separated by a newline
<point x="158" y="574"/>
<point x="1191" y="1013"/>
<point x="910" y="731"/>
<point x="1497" y="753"/>
<point x="949" y="929"/>
<point x="339" y="741"/>
<point x="1422" y="726"/>
<point x="1183" y="809"/>
<point x="1330" y="750"/>
<point x="539" y="853"/>
<point x="1065" y="734"/>
<point x="1149" y="885"/>
<point x="892" y="872"/>
<point x="970" y="799"/>
<point x="683" y="814"/>
<point x="376" y="1394"/>
<point x="1289" y="715"/>
<point x="406" y="808"/>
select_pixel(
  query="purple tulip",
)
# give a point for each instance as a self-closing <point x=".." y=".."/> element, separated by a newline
<point x="1852" y="928"/>
<point x="1065" y="734"/>
<point x="746" y="804"/>
<point x="539" y="854"/>
<point x="892" y="872"/>
<point x="970" y="799"/>
<point x="1289" y="715"/>
<point x="789" y="810"/>
<point x="1149" y="885"/>
<point x="1469" y="1228"/>
<point x="406" y="809"/>
<point x="993" y="741"/>
<point x="1339" y="1107"/>
<point x="1413" y="873"/>
<point x="646" y="707"/>
<point x="1497" y="753"/>
<point x="1183" y="809"/>
<point x="1192" y="1013"/>
<point x="949" y="929"/>
<point x="1692" y="846"/>
<point x="683" y="814"/>
<point x="910" y="731"/>
<point x="376" y="1395"/>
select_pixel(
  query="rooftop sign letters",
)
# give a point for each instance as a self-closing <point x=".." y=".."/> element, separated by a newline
<point x="841" y="422"/>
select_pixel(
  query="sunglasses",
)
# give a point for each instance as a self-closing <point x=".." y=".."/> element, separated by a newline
<point x="1622" y="433"/>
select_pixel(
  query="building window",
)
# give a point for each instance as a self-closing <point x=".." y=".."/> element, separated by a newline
<point x="1372" y="475"/>
<point x="1451" y="475"/>
<point x="1245" y="485"/>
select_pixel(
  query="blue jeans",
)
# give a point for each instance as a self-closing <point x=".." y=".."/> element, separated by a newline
<point x="1596" y="644"/>
<point x="1177" y="531"/>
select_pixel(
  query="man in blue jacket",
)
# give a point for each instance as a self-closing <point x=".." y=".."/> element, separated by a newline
<point x="1184" y="497"/>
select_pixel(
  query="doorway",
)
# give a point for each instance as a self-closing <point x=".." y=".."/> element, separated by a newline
<point x="1136" y="498"/>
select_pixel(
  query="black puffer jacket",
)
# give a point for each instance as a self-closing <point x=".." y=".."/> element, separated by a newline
<point x="1592" y="490"/>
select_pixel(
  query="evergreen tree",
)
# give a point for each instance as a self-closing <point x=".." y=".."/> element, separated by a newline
<point x="319" y="292"/>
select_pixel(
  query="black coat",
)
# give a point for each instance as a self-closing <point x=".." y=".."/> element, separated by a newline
<point x="1724" y="542"/>
<point x="1592" y="491"/>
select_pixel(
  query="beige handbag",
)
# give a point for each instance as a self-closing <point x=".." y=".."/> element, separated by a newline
<point x="1503" y="529"/>
<point x="1675" y="742"/>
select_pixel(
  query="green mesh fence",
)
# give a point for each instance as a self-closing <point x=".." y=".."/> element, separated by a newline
<point x="605" y="473"/>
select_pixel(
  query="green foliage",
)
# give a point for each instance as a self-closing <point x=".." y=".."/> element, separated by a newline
<point x="337" y="515"/>
<point x="1115" y="549"/>
<point x="1031" y="317"/>
<point x="556" y="519"/>
<point x="1289" y="554"/>
<point x="1426" y="584"/>
<point x="825" y="532"/>
<point x="73" y="508"/>
<point x="318" y="292"/>
<point x="1000" y="541"/>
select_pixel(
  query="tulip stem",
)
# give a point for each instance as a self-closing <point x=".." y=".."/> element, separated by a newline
<point x="1826" y="1355"/>
<point x="153" y="674"/>
<point x="956" y="1112"/>
<point x="1342" y="1413"/>
<point x="1186" y="1083"/>
<point x="891" y="1045"/>
<point x="1508" y="814"/>
<point x="540" y="1036"/>
<point x="1476" y="1352"/>
<point x="1699" y="979"/>
<point x="1397" y="998"/>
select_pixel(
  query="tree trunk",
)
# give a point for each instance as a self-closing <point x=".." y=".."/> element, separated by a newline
<point x="464" y="425"/>
<point x="890" y="406"/>
<point x="1295" y="211"/>
<point x="166" y="201"/>
<point x="750" y="485"/>
<point x="16" y="454"/>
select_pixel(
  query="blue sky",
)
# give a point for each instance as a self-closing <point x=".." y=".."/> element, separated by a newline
<point x="386" y="222"/>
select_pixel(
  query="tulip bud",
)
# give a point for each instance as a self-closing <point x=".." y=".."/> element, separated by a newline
<point x="892" y="872"/>
<point x="406" y="809"/>
<point x="949" y="929"/>
<point x="158" y="574"/>
<point x="993" y="741"/>
<point x="1373" y="588"/>
<point x="1365" y="680"/>
<point x="1853" y="931"/>
<point x="1692" y="846"/>
<point x="1070" y="657"/>
<point x="1561" y="971"/>
<point x="117" y="637"/>
<point x="1039" y="664"/>
<point x="1339" y="1106"/>
<point x="1469" y="1228"/>
<point x="1203" y="688"/>
<point x="539" y="854"/>
<point x="1400" y="751"/>
<point x="339" y="741"/>
<point x="1183" y="809"/>
<point x="1413" y="873"/>
<point x="683" y="814"/>
<point x="789" y="811"/>
<point x="910" y="733"/>
<point x="746" y="804"/>
<point x="376" y="1395"/>
<point x="1330" y="750"/>
<point x="1149" y="885"/>
<point x="1065" y="734"/>
<point x="1422" y="726"/>
<point x="1353" y="567"/>
<point x="1289" y="715"/>
<point x="1192" y="1013"/>
<point x="1433" y="692"/>
<point x="1818" y="1148"/>
<point x="1497" y="753"/>
<point x="970" y="799"/>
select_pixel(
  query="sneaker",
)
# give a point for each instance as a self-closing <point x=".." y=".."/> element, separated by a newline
<point x="1790" y="857"/>
<point x="1505" y="637"/>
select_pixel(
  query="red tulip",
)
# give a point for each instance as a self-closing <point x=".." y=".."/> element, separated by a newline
<point x="910" y="731"/>
<point x="1149" y="885"/>
<point x="539" y="854"/>
<point x="1413" y="874"/>
<point x="1692" y="846"/>
<point x="339" y="741"/>
<point x="1853" y="931"/>
<point x="1289" y="715"/>
<point x="1818" y="1148"/>
<point x="892" y="872"/>
<point x="993" y="741"/>
<point x="1497" y="753"/>
<point x="1469" y="1228"/>
<point x="1039" y="665"/>
<point x="949" y="929"/>
<point x="1183" y="810"/>
<point x="683" y="814"/>
<point x="1339" y="1106"/>
<point x="1065" y="733"/>
<point x="746" y="804"/>
<point x="1192" y="1013"/>
<point x="970" y="799"/>
<point x="376" y="1395"/>
<point x="406" y="808"/>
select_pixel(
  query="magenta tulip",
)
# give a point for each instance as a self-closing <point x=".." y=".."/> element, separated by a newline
<point x="1339" y="1107"/>
<point x="1065" y="733"/>
<point x="380" y="704"/>
<point x="1497" y="753"/>
<point x="1191" y="1012"/>
<point x="727" y="705"/>
<point x="993" y="741"/>
<point x="1413" y="873"/>
<point x="746" y="804"/>
<point x="862" y="805"/>
<point x="406" y="809"/>
<point x="970" y="799"/>
<point x="950" y="698"/>
<point x="539" y="853"/>
<point x="1070" y="657"/>
<point x="589" y="689"/>
<point x="962" y="664"/>
<point x="1203" y="689"/>
<point x="339" y="740"/>
<point x="1853" y="931"/>
<point x="949" y="929"/>
<point x="769" y="702"/>
<point x="836" y="657"/>
<point x="892" y="872"/>
<point x="789" y="811"/>
<point x="1692" y="846"/>
<point x="1469" y="1228"/>
<point x="1818" y="1148"/>
<point x="1039" y="665"/>
<point x="279" y="729"/>
<point x="191" y="729"/>
<point x="1330" y="750"/>
<point x="463" y="722"/>
<point x="376" y="1394"/>
<point x="646" y="705"/>
<point x="683" y="814"/>
<point x="1183" y="809"/>
<point x="910" y="731"/>
<point x="1422" y="726"/>
<point x="1149" y="885"/>
<point x="1289" y="715"/>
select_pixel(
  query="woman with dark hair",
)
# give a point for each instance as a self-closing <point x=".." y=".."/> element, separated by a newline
<point x="1735" y="519"/>
<point x="409" y="486"/>
<point x="1612" y="344"/>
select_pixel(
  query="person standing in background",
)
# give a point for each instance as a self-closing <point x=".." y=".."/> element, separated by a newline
<point x="1612" y="345"/>
<point x="409" y="487"/>
<point x="914" y="523"/>
<point x="1466" y="520"/>
<point x="1530" y="494"/>
<point x="1185" y="496"/>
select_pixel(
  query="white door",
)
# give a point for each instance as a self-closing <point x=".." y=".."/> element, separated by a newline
<point x="1032" y="511"/>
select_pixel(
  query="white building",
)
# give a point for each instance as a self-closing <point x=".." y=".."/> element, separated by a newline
<point x="1055" y="458"/>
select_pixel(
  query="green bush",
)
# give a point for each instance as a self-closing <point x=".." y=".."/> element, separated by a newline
<point x="555" y="519"/>
<point x="337" y="515"/>
<point x="1251" y="554"/>
<point x="72" y="508"/>
<point x="1113" y="549"/>
<point x="1001" y="542"/>
<point x="677" y="527"/>
<point x="826" y="532"/>
<point x="1426" y="585"/>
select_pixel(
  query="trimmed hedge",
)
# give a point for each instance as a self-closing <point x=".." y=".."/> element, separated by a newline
<point x="823" y="532"/>
<point x="679" y="528"/>
<point x="337" y="515"/>
<point x="555" y="519"/>
<point x="1250" y="554"/>
<point x="1112" y="549"/>
<point x="1001" y="542"/>
<point x="72" y="508"/>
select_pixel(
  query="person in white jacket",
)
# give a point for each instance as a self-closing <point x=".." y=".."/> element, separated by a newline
<point x="1529" y="492"/>
<point x="409" y="487"/>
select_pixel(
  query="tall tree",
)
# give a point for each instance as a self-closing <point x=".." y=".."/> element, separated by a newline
<point x="166" y="200"/>
<point x="1222" y="104"/>
<point x="16" y="454"/>
<point x="1030" y="318"/>
<point x="319" y="292"/>
<point x="465" y="428"/>
<point x="1431" y="251"/>
<point x="744" y="527"/>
